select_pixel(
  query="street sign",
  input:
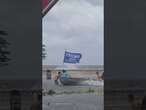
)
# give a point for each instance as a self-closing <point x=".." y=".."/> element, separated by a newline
<point x="47" y="5"/>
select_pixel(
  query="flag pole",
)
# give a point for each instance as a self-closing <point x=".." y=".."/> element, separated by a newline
<point x="64" y="58"/>
<point x="48" y="8"/>
<point x="64" y="54"/>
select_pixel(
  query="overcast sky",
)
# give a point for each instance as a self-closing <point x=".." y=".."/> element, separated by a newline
<point x="76" y="26"/>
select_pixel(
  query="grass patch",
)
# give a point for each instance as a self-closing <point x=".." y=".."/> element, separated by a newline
<point x="90" y="90"/>
<point x="51" y="92"/>
<point x="81" y="91"/>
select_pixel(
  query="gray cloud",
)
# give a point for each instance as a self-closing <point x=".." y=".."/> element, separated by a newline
<point x="75" y="25"/>
<point x="96" y="2"/>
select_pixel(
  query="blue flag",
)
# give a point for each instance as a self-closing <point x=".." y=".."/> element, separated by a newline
<point x="72" y="57"/>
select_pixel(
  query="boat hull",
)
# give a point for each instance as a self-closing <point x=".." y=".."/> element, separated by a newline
<point x="71" y="81"/>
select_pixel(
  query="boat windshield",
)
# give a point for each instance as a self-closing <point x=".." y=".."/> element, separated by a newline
<point x="65" y="74"/>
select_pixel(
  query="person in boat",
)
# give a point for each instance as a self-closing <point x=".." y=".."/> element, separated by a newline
<point x="57" y="77"/>
<point x="102" y="76"/>
<point x="97" y="74"/>
<point x="64" y="71"/>
<point x="64" y="77"/>
<point x="64" y="74"/>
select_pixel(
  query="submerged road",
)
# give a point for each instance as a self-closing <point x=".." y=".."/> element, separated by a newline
<point x="73" y="102"/>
